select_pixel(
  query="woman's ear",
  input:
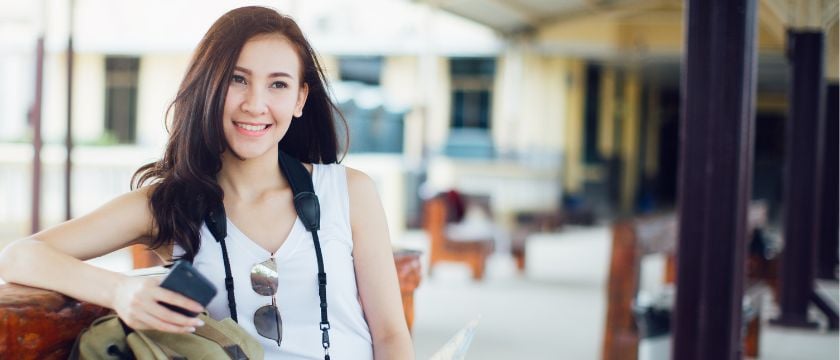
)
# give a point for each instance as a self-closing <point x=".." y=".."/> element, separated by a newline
<point x="302" y="94"/>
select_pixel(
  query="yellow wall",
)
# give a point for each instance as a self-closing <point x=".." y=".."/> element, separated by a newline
<point x="657" y="29"/>
<point x="529" y="103"/>
<point x="159" y="77"/>
<point x="583" y="35"/>
<point x="832" y="61"/>
<point x="573" y="159"/>
<point x="400" y="80"/>
<point x="88" y="97"/>
<point x="88" y="101"/>
<point x="630" y="139"/>
<point x="606" y="113"/>
<point x="508" y="111"/>
<point x="330" y="66"/>
<point x="437" y="100"/>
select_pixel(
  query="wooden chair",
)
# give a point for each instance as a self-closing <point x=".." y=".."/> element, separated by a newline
<point x="409" y="273"/>
<point x="474" y="253"/>
<point x="635" y="238"/>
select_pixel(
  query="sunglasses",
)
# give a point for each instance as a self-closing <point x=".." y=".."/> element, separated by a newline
<point x="267" y="318"/>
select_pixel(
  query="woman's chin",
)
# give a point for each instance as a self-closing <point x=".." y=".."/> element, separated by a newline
<point x="248" y="153"/>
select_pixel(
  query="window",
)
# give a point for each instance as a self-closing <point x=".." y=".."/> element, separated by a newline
<point x="472" y="89"/>
<point x="364" y="69"/>
<point x="591" y="114"/>
<point x="121" y="98"/>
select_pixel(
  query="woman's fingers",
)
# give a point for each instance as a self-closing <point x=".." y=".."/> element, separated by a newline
<point x="173" y="298"/>
<point x="139" y="306"/>
<point x="165" y="314"/>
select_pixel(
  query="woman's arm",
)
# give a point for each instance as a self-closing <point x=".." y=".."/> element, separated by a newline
<point x="53" y="259"/>
<point x="376" y="274"/>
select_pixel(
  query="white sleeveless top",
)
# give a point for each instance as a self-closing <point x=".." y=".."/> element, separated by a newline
<point x="297" y="267"/>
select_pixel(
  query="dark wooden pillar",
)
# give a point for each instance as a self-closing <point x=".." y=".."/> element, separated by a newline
<point x="830" y="214"/>
<point x="802" y="197"/>
<point x="714" y="180"/>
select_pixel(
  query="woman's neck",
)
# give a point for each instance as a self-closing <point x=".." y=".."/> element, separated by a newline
<point x="251" y="178"/>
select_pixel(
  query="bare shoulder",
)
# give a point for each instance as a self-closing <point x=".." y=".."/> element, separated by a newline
<point x="360" y="183"/>
<point x="362" y="192"/>
<point x="367" y="216"/>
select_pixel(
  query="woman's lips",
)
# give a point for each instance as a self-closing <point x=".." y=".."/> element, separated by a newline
<point x="251" y="129"/>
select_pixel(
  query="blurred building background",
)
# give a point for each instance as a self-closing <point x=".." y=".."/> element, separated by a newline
<point x="539" y="106"/>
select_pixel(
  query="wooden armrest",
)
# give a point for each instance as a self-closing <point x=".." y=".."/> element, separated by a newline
<point x="41" y="324"/>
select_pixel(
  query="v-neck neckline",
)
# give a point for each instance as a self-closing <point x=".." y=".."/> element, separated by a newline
<point x="282" y="250"/>
<point x="263" y="252"/>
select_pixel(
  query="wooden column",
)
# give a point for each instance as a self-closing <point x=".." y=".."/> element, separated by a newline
<point x="714" y="179"/>
<point x="802" y="196"/>
<point x="830" y="213"/>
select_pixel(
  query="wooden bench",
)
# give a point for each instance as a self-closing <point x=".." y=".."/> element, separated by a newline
<point x="42" y="324"/>
<point x="636" y="238"/>
<point x="437" y="215"/>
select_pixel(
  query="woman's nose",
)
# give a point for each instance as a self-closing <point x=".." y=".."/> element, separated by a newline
<point x="254" y="103"/>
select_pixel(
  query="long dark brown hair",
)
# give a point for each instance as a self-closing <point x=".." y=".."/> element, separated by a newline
<point x="185" y="178"/>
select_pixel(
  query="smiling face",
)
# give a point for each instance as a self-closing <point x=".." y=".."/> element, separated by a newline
<point x="265" y="93"/>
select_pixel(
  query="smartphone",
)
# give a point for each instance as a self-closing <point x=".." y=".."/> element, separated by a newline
<point x="184" y="279"/>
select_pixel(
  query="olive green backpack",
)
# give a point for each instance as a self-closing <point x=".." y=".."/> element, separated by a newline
<point x="108" y="338"/>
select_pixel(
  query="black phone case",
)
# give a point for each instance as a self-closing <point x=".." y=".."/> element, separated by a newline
<point x="184" y="279"/>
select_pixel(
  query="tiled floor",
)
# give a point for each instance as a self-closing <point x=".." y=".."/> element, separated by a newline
<point x="556" y="309"/>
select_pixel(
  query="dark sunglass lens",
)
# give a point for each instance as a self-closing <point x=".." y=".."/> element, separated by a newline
<point x="264" y="278"/>
<point x="268" y="323"/>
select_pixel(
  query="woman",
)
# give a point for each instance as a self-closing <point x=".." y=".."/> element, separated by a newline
<point x="254" y="87"/>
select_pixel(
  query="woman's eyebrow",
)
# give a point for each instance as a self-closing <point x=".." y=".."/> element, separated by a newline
<point x="274" y="74"/>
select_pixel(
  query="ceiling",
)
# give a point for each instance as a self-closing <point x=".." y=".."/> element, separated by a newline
<point x="522" y="16"/>
<point x="518" y="16"/>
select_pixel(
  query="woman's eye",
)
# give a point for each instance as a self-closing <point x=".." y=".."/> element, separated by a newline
<point x="279" y="85"/>
<point x="239" y="79"/>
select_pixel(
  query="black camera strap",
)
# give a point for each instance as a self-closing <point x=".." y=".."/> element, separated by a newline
<point x="309" y="212"/>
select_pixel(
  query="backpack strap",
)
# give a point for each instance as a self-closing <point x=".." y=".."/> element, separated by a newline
<point x="309" y="212"/>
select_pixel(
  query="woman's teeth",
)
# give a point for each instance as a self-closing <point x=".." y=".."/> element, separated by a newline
<point x="252" y="127"/>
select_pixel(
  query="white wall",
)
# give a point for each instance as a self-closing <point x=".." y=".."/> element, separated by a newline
<point x="17" y="89"/>
<point x="88" y="96"/>
<point x="158" y="81"/>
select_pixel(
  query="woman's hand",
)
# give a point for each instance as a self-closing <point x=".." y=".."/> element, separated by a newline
<point x="136" y="303"/>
